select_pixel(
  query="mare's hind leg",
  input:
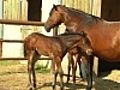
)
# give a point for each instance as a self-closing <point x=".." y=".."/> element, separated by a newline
<point x="31" y="62"/>
<point x="70" y="64"/>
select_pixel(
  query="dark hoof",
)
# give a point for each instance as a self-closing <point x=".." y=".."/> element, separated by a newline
<point x="74" y="81"/>
<point x="53" y="86"/>
<point x="88" y="88"/>
<point x="67" y="81"/>
<point x="61" y="88"/>
<point x="30" y="89"/>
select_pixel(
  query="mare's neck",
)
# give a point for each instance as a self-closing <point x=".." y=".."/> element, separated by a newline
<point x="73" y="20"/>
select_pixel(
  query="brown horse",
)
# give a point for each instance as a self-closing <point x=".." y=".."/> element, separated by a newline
<point x="104" y="36"/>
<point x="55" y="47"/>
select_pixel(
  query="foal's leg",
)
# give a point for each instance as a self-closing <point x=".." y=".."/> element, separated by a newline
<point x="31" y="62"/>
<point x="77" y="57"/>
<point x="70" y="64"/>
<point x="55" y="73"/>
<point x="29" y="68"/>
<point x="58" y="71"/>
<point x="35" y="58"/>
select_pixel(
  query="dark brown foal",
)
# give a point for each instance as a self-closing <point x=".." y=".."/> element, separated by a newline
<point x="55" y="47"/>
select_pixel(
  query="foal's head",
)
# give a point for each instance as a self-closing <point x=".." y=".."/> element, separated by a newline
<point x="85" y="44"/>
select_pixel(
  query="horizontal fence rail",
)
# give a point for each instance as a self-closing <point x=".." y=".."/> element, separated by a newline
<point x="21" y="22"/>
<point x="13" y="41"/>
<point x="20" y="58"/>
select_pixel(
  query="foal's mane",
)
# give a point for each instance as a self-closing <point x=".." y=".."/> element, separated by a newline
<point x="82" y="34"/>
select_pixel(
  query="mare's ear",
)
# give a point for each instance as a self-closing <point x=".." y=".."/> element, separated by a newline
<point x="54" y="6"/>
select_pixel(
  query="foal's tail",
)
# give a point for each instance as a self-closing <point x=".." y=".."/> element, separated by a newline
<point x="25" y="52"/>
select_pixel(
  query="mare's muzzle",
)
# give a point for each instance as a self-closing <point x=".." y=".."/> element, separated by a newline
<point x="47" y="27"/>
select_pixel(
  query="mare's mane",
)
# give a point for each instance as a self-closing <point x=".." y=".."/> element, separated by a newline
<point x="78" y="11"/>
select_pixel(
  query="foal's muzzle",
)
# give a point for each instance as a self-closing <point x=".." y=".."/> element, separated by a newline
<point x="89" y="52"/>
<point x="47" y="27"/>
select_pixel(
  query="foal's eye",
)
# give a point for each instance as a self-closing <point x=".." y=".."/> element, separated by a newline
<point x="85" y="42"/>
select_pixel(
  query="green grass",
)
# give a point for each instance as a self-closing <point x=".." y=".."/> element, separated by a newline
<point x="8" y="62"/>
<point x="41" y="69"/>
<point x="38" y="68"/>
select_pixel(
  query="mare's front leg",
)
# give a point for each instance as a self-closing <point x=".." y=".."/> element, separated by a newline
<point x="88" y="63"/>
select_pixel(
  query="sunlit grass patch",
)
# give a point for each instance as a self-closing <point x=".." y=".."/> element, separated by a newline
<point x="8" y="62"/>
<point x="41" y="69"/>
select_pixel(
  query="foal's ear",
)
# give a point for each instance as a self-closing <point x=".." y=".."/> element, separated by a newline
<point x="83" y="33"/>
<point x="54" y="6"/>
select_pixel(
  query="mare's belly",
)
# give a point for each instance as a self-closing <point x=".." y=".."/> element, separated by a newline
<point x="111" y="55"/>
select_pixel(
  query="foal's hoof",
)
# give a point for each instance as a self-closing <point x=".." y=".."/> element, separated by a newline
<point x="30" y="89"/>
<point x="67" y="81"/>
<point x="53" y="86"/>
<point x="61" y="88"/>
<point x="88" y="88"/>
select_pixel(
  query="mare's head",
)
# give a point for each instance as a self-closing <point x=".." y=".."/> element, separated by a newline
<point x="71" y="17"/>
<point x="55" y="17"/>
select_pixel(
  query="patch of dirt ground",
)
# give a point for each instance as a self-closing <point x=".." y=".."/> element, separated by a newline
<point x="15" y="78"/>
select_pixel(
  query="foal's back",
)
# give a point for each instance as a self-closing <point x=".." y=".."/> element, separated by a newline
<point x="52" y="45"/>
